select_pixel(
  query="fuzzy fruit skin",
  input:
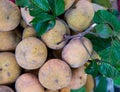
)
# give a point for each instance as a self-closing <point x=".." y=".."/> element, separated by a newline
<point x="75" y="54"/>
<point x="9" y="69"/>
<point x="29" y="32"/>
<point x="28" y="83"/>
<point x="55" y="35"/>
<point x="79" y="78"/>
<point x="5" y="89"/>
<point x="51" y="90"/>
<point x="80" y="16"/>
<point x="90" y="84"/>
<point x="65" y="89"/>
<point x="31" y="53"/>
<point x="9" y="40"/>
<point x="23" y="23"/>
<point x="55" y="74"/>
<point x="9" y="15"/>
<point x="68" y="3"/>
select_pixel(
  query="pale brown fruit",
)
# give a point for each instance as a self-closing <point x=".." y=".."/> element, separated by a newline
<point x="48" y="90"/>
<point x="55" y="74"/>
<point x="80" y="16"/>
<point x="79" y="78"/>
<point x="23" y="23"/>
<point x="5" y="89"/>
<point x="79" y="0"/>
<point x="28" y="83"/>
<point x="26" y="16"/>
<point x="68" y="3"/>
<point x="9" y="15"/>
<point x="75" y="53"/>
<point x="89" y="84"/>
<point x="29" y="32"/>
<point x="9" y="69"/>
<point x="54" y="37"/>
<point x="8" y="40"/>
<point x="65" y="89"/>
<point x="31" y="53"/>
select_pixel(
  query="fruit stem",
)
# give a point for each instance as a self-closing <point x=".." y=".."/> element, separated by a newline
<point x="68" y="37"/>
<point x="81" y="34"/>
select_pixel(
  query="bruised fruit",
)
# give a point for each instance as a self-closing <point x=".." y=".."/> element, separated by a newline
<point x="77" y="52"/>
<point x="5" y="89"/>
<point x="89" y="84"/>
<point x="54" y="37"/>
<point x="31" y="53"/>
<point x="8" y="40"/>
<point x="9" y="15"/>
<point x="79" y="78"/>
<point x="80" y="16"/>
<point x="29" y="32"/>
<point x="9" y="69"/>
<point x="28" y="83"/>
<point x="68" y="3"/>
<point x="55" y="74"/>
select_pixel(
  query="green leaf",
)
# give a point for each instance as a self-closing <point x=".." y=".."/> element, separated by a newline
<point x="108" y="50"/>
<point x="44" y="13"/>
<point x="105" y="3"/>
<point x="41" y="28"/>
<point x="35" y="11"/>
<point x="57" y="6"/>
<point x="105" y="17"/>
<point x="82" y="89"/>
<point x="99" y="44"/>
<point x="117" y="81"/>
<point x="103" y="30"/>
<point x="43" y="17"/>
<point x="92" y="69"/>
<point x="111" y="54"/>
<point x="114" y="12"/>
<point x="108" y="71"/>
<point x="23" y="3"/>
<point x="102" y="85"/>
<point x="41" y="4"/>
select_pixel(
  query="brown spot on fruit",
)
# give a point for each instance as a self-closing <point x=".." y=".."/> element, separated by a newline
<point x="0" y="69"/>
<point x="57" y="72"/>
<point x="8" y="73"/>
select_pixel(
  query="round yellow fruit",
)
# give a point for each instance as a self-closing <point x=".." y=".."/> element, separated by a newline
<point x="75" y="53"/>
<point x="80" y="16"/>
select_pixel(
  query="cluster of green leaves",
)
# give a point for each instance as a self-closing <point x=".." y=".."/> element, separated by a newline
<point x="106" y="44"/>
<point x="44" y="13"/>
